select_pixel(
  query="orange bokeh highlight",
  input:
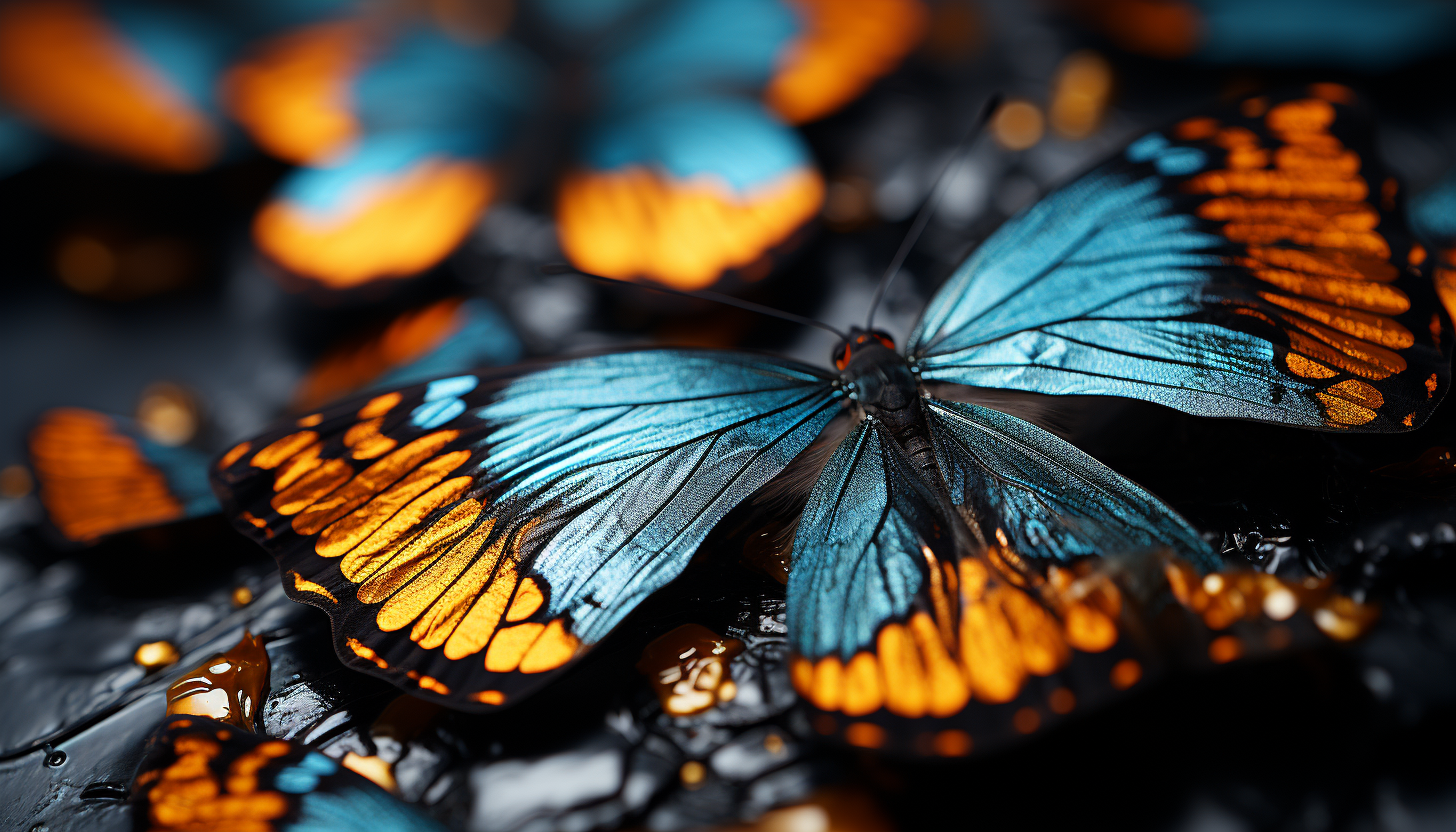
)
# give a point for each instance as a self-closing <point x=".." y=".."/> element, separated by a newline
<point x="846" y="45"/>
<point x="398" y="227"/>
<point x="632" y="223"/>
<point x="293" y="96"/>
<point x="350" y="367"/>
<point x="62" y="66"/>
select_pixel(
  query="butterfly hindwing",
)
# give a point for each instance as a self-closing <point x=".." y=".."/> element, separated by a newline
<point x="203" y="775"/>
<point x="929" y="635"/>
<point x="471" y="534"/>
<point x="1254" y="265"/>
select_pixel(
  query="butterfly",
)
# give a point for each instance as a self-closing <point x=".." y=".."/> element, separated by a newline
<point x="684" y="166"/>
<point x="473" y="536"/>
<point x="101" y="474"/>
<point x="201" y="774"/>
<point x="1433" y="219"/>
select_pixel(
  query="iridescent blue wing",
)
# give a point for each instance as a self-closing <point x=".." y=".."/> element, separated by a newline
<point x="100" y="474"/>
<point x="1253" y="266"/>
<point x="470" y="535"/>
<point x="935" y="625"/>
<point x="202" y="775"/>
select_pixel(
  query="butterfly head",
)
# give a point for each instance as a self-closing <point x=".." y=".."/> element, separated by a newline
<point x="858" y="342"/>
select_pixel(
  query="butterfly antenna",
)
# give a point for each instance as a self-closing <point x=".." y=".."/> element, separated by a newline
<point x="701" y="294"/>
<point x="928" y="208"/>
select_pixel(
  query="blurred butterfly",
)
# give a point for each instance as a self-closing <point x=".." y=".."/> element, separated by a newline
<point x="100" y="474"/>
<point x="473" y="536"/>
<point x="202" y="775"/>
<point x="1369" y="35"/>
<point x="1433" y="219"/>
<point x="134" y="79"/>
<point x="684" y="165"/>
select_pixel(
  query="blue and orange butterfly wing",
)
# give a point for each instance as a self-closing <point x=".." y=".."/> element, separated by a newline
<point x="472" y="535"/>
<point x="915" y="633"/>
<point x="99" y="475"/>
<point x="202" y="775"/>
<point x="1252" y="265"/>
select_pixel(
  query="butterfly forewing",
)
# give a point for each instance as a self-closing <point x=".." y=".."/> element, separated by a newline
<point x="1253" y="265"/>
<point x="472" y="535"/>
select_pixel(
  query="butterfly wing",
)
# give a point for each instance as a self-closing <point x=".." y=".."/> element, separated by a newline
<point x="99" y="474"/>
<point x="900" y="622"/>
<point x="469" y="535"/>
<point x="1252" y="266"/>
<point x="202" y="775"/>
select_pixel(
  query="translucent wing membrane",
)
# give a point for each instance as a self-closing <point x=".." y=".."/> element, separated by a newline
<point x="473" y="533"/>
<point x="202" y="775"/>
<point x="1254" y="265"/>
<point x="969" y="616"/>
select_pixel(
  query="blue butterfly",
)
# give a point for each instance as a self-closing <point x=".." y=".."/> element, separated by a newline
<point x="100" y="474"/>
<point x="1252" y="265"/>
<point x="201" y="774"/>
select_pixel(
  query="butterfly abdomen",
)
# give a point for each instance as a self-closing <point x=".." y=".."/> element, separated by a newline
<point x="880" y="380"/>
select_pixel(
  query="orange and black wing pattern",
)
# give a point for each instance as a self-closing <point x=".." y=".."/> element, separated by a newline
<point x="1255" y="264"/>
<point x="471" y="536"/>
<point x="202" y="775"/>
<point x="100" y="474"/>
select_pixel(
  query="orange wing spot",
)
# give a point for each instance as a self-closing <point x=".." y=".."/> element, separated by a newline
<point x="254" y="521"/>
<point x="1275" y="183"/>
<point x="1330" y="263"/>
<point x="864" y="735"/>
<point x="1341" y="411"/>
<point x="1366" y="242"/>
<point x="845" y="46"/>
<point x="479" y="614"/>
<point x="1254" y="107"/>
<point x="366" y="441"/>
<point x="428" y="682"/>
<point x="553" y="649"/>
<point x="1062" y="701"/>
<point x="1409" y="420"/>
<point x="233" y="455"/>
<point x="1359" y="392"/>
<point x="446" y="541"/>
<point x="827" y="689"/>
<point x="1337" y="93"/>
<point x="370" y="481"/>
<point x="1312" y="214"/>
<point x="952" y="743"/>
<point x="1225" y="649"/>
<point x="1370" y="297"/>
<point x="528" y="599"/>
<point x="309" y="421"/>
<point x="302" y="584"/>
<point x="1445" y="280"/>
<point x="947" y="687"/>
<point x="293" y="96"/>
<point x="510" y="645"/>
<point x="282" y="449"/>
<point x="367" y="653"/>
<point x="1417" y="254"/>
<point x="93" y="479"/>
<point x="362" y="563"/>
<point x="1043" y="650"/>
<point x="1376" y="329"/>
<point x="1126" y="673"/>
<point x="400" y="227"/>
<point x="863" y="691"/>
<point x="294" y="469"/>
<point x="489" y="697"/>
<point x="396" y="528"/>
<point x="1194" y="129"/>
<point x="1344" y="619"/>
<point x="1089" y="630"/>
<point x="631" y="222"/>
<point x="379" y="405"/>
<point x="67" y="68"/>
<point x="1305" y="115"/>
<point x="424" y="589"/>
<point x="353" y="365"/>
<point x="312" y="487"/>
<point x="379" y="514"/>
<point x="1351" y="355"/>
<point x="801" y="671"/>
<point x="1431" y="384"/>
<point x="905" y="686"/>
<point x="1305" y="368"/>
<point x="1318" y="161"/>
<point x="990" y="654"/>
<point x="1026" y="720"/>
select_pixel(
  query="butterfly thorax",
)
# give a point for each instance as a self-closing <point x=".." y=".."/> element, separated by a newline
<point x="880" y="381"/>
